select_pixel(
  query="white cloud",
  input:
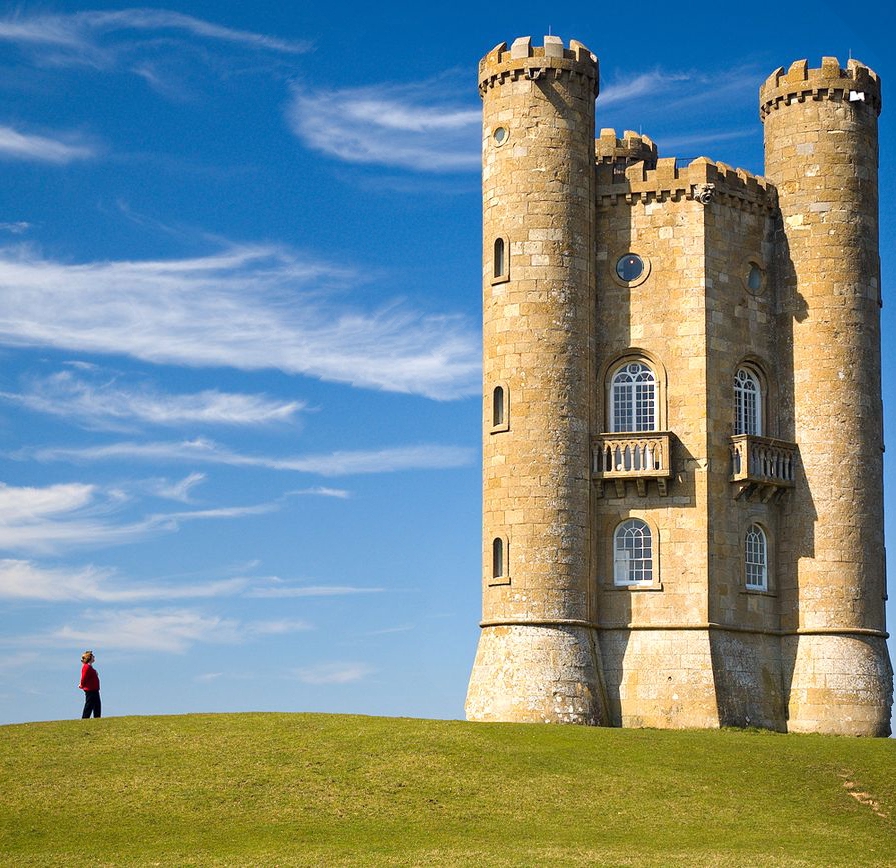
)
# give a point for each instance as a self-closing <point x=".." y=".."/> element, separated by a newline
<point x="60" y="517"/>
<point x="648" y="85"/>
<point x="322" y="491"/>
<point x="81" y="33"/>
<point x="333" y="673"/>
<point x="172" y="630"/>
<point x="425" y="457"/>
<point x="705" y="139"/>
<point x="179" y="491"/>
<point x="283" y="590"/>
<point x="15" y="145"/>
<point x="27" y="504"/>
<point x="169" y="630"/>
<point x="403" y="125"/>
<point x="103" y="404"/>
<point x="247" y="307"/>
<point x="24" y="580"/>
<point x="20" y="227"/>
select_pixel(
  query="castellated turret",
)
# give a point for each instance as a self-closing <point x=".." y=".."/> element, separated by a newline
<point x="682" y="480"/>
<point x="821" y="153"/>
<point x="538" y="658"/>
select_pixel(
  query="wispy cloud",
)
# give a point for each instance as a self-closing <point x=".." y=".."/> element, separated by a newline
<point x="280" y="589"/>
<point x="333" y="673"/>
<point x="429" y="457"/>
<point x="250" y="307"/>
<point x="166" y="630"/>
<point x="322" y="491"/>
<point x="179" y="491"/>
<point x="654" y="85"/>
<point x="97" y="36"/>
<point x="106" y="404"/>
<point x="16" y="145"/>
<point x="25" y="580"/>
<point x="403" y="125"/>
<point x="62" y="517"/>
<point x="660" y="101"/>
<point x="20" y="227"/>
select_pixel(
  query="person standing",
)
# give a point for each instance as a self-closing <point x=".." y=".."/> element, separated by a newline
<point x="90" y="684"/>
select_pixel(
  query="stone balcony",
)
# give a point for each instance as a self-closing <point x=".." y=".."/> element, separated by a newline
<point x="632" y="457"/>
<point x="761" y="467"/>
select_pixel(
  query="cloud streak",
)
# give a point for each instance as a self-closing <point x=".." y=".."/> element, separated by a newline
<point x="399" y="125"/>
<point x="170" y="630"/>
<point x="25" y="580"/>
<point x="16" y="145"/>
<point x="104" y="404"/>
<point x="333" y="673"/>
<point x="79" y="36"/>
<point x="347" y="463"/>
<point x="251" y="307"/>
<point x="62" y="517"/>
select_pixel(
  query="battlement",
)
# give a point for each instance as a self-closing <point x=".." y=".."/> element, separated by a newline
<point x="702" y="180"/>
<point x="856" y="83"/>
<point x="631" y="148"/>
<point x="524" y="60"/>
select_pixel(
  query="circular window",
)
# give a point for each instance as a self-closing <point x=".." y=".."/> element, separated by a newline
<point x="629" y="267"/>
<point x="755" y="278"/>
<point x="500" y="135"/>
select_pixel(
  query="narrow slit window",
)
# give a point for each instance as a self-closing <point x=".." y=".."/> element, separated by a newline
<point x="500" y="258"/>
<point x="498" y="556"/>
<point x="498" y="411"/>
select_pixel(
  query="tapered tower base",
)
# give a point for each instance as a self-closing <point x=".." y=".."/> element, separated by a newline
<point x="537" y="674"/>
<point x="841" y="685"/>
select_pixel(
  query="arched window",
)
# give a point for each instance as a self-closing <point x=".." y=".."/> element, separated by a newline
<point x="633" y="553"/>
<point x="498" y="558"/>
<point x="498" y="406"/>
<point x="756" y="558"/>
<point x="747" y="403"/>
<point x="499" y="259"/>
<point x="633" y="398"/>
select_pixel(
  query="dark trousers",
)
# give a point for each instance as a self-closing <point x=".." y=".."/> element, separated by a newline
<point x="92" y="704"/>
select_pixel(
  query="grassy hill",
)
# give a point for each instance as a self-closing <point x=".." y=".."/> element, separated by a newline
<point x="310" y="789"/>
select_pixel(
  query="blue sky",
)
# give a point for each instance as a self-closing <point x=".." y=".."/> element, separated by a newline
<point x="240" y="329"/>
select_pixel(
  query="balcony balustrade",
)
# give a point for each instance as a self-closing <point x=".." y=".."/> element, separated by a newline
<point x="635" y="457"/>
<point x="762" y="467"/>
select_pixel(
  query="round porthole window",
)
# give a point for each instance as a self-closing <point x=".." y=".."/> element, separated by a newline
<point x="500" y="135"/>
<point x="629" y="267"/>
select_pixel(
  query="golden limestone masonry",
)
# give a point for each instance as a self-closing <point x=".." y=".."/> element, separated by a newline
<point x="682" y="424"/>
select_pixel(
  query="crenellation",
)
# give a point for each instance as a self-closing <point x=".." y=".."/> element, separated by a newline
<point x="855" y="84"/>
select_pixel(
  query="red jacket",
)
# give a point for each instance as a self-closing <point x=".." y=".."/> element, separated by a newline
<point x="89" y="679"/>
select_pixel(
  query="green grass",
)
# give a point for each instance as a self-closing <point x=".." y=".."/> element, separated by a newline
<point x="308" y="789"/>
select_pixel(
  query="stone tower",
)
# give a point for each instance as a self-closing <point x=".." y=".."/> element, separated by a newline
<point x="538" y="657"/>
<point x="821" y="153"/>
<point x="682" y="501"/>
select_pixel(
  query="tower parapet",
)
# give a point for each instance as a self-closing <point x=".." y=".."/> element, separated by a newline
<point x="524" y="60"/>
<point x="856" y="83"/>
<point x="702" y="179"/>
<point x="631" y="148"/>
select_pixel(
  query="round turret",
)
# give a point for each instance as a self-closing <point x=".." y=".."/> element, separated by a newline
<point x="821" y="152"/>
<point x="537" y="658"/>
